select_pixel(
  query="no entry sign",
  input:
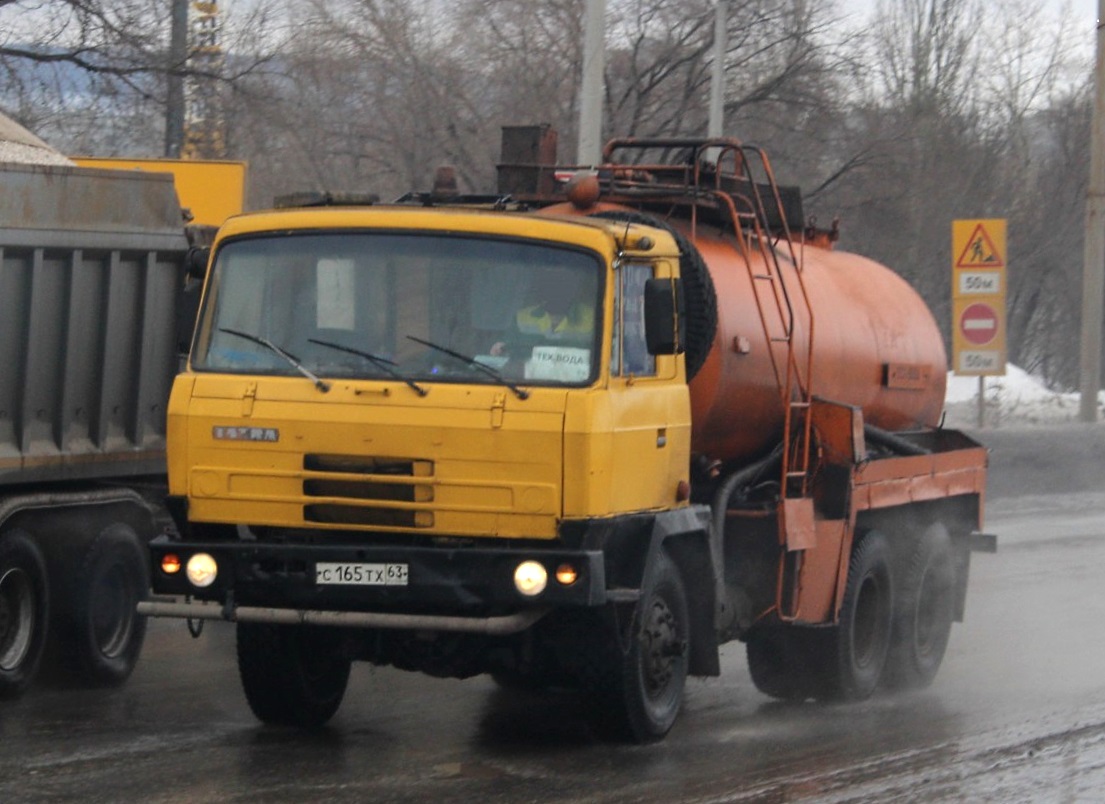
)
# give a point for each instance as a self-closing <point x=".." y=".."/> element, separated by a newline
<point x="979" y="323"/>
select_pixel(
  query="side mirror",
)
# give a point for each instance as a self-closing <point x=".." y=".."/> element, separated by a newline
<point x="665" y="323"/>
<point x="195" y="261"/>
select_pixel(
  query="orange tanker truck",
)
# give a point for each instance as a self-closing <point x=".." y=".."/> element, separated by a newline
<point x="577" y="434"/>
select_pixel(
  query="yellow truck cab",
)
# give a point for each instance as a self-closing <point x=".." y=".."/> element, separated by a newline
<point x="443" y="439"/>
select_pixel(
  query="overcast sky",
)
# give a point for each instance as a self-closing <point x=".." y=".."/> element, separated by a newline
<point x="1080" y="9"/>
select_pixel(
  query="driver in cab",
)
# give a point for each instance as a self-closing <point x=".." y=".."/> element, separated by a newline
<point x="559" y="312"/>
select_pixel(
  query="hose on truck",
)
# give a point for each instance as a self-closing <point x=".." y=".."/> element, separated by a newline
<point x="892" y="442"/>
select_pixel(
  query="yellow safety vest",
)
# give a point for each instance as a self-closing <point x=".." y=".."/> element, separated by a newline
<point x="578" y="324"/>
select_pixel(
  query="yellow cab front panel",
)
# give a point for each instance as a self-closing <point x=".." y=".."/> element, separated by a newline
<point x="375" y="456"/>
<point x="408" y="370"/>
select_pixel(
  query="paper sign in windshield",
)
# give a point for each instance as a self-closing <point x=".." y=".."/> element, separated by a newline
<point x="559" y="363"/>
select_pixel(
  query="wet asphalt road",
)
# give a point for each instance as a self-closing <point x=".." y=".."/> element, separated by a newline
<point x="1016" y="714"/>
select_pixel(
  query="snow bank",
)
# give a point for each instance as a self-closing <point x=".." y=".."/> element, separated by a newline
<point x="1015" y="399"/>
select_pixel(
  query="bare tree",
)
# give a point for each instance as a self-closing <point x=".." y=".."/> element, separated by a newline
<point x="92" y="73"/>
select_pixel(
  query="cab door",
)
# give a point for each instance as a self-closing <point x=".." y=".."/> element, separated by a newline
<point x="649" y="401"/>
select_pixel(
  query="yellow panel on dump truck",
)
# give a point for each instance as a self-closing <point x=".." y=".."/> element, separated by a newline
<point x="212" y="190"/>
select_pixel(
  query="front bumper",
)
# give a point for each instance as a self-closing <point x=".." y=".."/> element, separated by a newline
<point x="464" y="582"/>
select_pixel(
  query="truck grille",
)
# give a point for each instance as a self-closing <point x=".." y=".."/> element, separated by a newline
<point x="369" y="480"/>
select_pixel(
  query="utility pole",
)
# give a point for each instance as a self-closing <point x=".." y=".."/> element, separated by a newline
<point x="174" y="101"/>
<point x="1093" y="269"/>
<point x="590" y="94"/>
<point x="717" y="77"/>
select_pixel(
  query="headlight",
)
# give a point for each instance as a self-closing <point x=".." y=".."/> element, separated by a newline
<point x="202" y="569"/>
<point x="530" y="578"/>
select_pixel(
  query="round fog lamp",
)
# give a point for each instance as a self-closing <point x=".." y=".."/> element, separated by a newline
<point x="530" y="578"/>
<point x="202" y="569"/>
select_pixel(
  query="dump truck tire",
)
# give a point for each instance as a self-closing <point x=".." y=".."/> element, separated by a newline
<point x="99" y="633"/>
<point x="24" y="611"/>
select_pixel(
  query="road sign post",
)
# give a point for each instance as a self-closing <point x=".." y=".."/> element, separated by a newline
<point x="978" y="301"/>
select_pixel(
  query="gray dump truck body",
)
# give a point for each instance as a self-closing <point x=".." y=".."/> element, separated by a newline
<point x="89" y="285"/>
<point x="91" y="272"/>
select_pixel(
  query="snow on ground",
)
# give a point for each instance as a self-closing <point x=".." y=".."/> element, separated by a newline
<point x="1013" y="400"/>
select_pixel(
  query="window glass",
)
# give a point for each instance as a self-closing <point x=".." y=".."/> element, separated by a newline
<point x="341" y="303"/>
<point x="631" y="355"/>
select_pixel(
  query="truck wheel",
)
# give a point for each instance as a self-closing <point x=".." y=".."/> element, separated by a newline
<point x="859" y="644"/>
<point x="778" y="664"/>
<point x="98" y="632"/>
<point x="292" y="675"/>
<point x="24" y="601"/>
<point x="642" y="690"/>
<point x="923" y="612"/>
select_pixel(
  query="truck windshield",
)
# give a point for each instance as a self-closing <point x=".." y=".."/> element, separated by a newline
<point x="381" y="305"/>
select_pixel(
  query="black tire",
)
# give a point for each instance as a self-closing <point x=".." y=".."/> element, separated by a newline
<point x="924" y="612"/>
<point x="779" y="661"/>
<point x="640" y="691"/>
<point x="24" y="611"/>
<point x="292" y="675"/>
<point x="98" y="630"/>
<point x="858" y="646"/>
<point x="698" y="288"/>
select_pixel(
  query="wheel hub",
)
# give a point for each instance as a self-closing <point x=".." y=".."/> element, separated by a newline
<point x="662" y="646"/>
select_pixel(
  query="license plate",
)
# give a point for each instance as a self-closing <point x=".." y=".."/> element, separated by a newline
<point x="340" y="573"/>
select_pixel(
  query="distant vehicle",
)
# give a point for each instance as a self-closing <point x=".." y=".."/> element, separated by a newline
<point x="90" y="286"/>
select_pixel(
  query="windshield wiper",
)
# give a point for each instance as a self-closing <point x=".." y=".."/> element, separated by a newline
<point x="381" y="363"/>
<point x="321" y="385"/>
<point x="521" y="393"/>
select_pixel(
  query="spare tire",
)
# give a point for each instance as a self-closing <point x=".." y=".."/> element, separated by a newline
<point x="698" y="287"/>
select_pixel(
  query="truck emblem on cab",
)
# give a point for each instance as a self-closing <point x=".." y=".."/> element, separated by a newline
<point x="270" y="434"/>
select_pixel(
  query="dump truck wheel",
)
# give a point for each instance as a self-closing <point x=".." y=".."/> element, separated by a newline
<point x="24" y="608"/>
<point x="99" y="633"/>
<point x="923" y="613"/>
<point x="778" y="664"/>
<point x="858" y="645"/>
<point x="642" y="689"/>
<point x="292" y="675"/>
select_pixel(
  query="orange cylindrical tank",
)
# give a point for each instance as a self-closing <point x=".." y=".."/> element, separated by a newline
<point x="865" y="318"/>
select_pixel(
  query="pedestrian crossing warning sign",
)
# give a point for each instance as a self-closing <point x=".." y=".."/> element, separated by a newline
<point x="979" y="243"/>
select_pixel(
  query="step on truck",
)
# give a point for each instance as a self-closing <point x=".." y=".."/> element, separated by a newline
<point x="91" y="276"/>
<point x="577" y="434"/>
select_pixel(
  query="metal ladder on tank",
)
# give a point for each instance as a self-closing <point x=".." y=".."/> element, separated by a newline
<point x="776" y="298"/>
